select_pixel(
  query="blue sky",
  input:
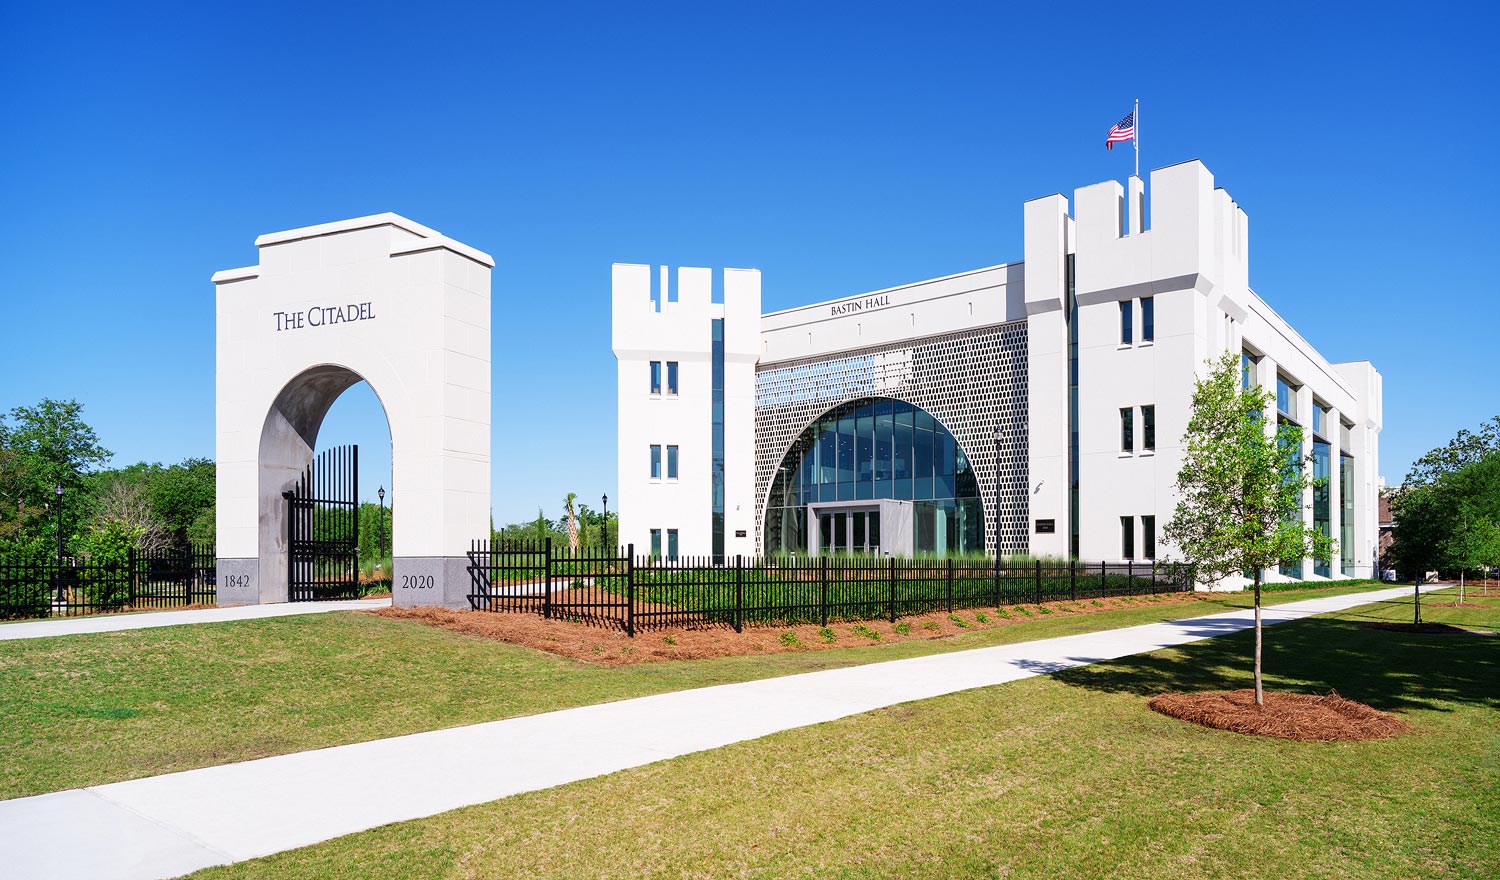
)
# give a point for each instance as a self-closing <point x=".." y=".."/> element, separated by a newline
<point x="837" y="149"/>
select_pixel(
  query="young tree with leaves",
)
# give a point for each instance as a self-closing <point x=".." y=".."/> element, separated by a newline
<point x="1239" y="508"/>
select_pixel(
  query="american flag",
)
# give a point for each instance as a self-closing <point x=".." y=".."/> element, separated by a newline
<point x="1124" y="130"/>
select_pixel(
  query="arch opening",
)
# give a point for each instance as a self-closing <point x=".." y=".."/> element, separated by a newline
<point x="875" y="475"/>
<point x="288" y="444"/>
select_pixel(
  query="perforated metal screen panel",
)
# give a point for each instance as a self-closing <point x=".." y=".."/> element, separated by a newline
<point x="970" y="381"/>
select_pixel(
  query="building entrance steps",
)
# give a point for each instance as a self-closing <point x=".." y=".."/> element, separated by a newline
<point x="165" y="826"/>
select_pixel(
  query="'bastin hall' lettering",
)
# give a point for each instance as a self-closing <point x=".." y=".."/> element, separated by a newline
<point x="859" y="305"/>
<point x="322" y="316"/>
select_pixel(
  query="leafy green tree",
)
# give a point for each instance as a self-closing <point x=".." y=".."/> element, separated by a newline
<point x="1240" y="489"/>
<point x="106" y="578"/>
<point x="1468" y="447"/>
<point x="58" y="445"/>
<point x="49" y="444"/>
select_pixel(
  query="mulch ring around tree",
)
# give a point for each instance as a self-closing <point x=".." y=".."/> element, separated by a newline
<point x="1307" y="717"/>
<point x="1437" y="629"/>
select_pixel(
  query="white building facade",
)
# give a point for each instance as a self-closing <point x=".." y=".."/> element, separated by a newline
<point x="1033" y="407"/>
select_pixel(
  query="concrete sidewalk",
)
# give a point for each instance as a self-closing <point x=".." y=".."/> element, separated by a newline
<point x="169" y="825"/>
<point x="46" y="629"/>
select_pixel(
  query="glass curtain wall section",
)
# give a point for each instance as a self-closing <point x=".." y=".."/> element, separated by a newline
<point x="873" y="449"/>
<point x="1322" y="498"/>
<point x="1073" y="467"/>
<point x="1346" y="508"/>
<point x="1291" y="568"/>
<point x="718" y="439"/>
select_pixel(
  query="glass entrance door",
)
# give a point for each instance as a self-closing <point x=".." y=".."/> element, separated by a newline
<point x="849" y="531"/>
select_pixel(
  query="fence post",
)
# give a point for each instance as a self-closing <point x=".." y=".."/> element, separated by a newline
<point x="892" y="570"/>
<point x="1153" y="577"/>
<point x="739" y="593"/>
<point x="823" y="587"/>
<point x="630" y="590"/>
<point x="547" y="577"/>
<point x="130" y="576"/>
<point x="1072" y="580"/>
<point x="1104" y="580"/>
<point x="1038" y="582"/>
<point x="997" y="579"/>
<point x="950" y="584"/>
<point x="1130" y="577"/>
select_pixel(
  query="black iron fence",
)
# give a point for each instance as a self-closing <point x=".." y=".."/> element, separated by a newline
<point x="619" y="588"/>
<point x="46" y="586"/>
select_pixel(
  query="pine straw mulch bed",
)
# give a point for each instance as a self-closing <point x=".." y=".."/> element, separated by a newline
<point x="1307" y="717"/>
<point x="611" y="646"/>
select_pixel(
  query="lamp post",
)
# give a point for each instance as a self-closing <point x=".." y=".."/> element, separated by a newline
<point x="999" y="435"/>
<point x="604" y="528"/>
<point x="59" y="585"/>
<point x="380" y="526"/>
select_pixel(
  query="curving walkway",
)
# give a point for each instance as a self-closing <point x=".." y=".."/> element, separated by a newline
<point x="68" y="626"/>
<point x="165" y="826"/>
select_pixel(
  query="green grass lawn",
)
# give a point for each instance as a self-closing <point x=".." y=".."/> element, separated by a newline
<point x="88" y="709"/>
<point x="1061" y="776"/>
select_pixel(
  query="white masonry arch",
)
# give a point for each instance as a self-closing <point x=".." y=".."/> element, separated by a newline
<point x="379" y="299"/>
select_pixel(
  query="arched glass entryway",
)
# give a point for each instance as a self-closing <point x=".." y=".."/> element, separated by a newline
<point x="875" y="475"/>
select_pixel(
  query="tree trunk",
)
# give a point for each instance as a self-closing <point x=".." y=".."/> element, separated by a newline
<point x="1460" y="588"/>
<point x="1260" y="692"/>
<point x="1416" y="596"/>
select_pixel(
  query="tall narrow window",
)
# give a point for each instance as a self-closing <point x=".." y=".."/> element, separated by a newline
<point x="1247" y="370"/>
<point x="655" y="462"/>
<point x="1148" y="319"/>
<point x="1127" y="330"/>
<point x="672" y="544"/>
<point x="1148" y="428"/>
<point x="656" y="543"/>
<point x="671" y="377"/>
<point x="671" y="462"/>
<point x="1127" y="429"/>
<point x="717" y="391"/>
<point x="1148" y="537"/>
<point x="1127" y="537"/>
<point x="656" y="377"/>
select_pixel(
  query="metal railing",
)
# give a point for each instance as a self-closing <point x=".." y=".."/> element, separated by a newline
<point x="46" y="586"/>
<point x="620" y="588"/>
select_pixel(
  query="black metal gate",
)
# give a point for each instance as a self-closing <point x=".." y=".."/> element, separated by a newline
<point x="323" y="528"/>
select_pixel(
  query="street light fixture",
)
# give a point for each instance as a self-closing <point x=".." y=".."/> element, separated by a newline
<point x="604" y="529"/>
<point x="380" y="526"/>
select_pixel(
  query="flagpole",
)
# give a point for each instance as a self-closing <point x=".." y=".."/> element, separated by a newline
<point x="1137" y="138"/>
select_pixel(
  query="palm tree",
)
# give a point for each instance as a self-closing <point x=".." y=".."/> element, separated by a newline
<point x="572" y="521"/>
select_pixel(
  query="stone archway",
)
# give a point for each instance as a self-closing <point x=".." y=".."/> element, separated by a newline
<point x="379" y="299"/>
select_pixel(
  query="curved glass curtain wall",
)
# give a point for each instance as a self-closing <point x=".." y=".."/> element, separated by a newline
<point x="872" y="449"/>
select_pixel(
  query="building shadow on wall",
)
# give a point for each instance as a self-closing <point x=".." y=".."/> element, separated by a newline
<point x="1385" y="669"/>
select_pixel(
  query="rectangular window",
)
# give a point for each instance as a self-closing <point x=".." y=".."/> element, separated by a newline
<point x="1148" y="319"/>
<point x="1148" y="428"/>
<point x="1127" y="331"/>
<point x="1247" y="370"/>
<point x="671" y="462"/>
<point x="671" y="377"/>
<point x="656" y="377"/>
<point x="656" y="543"/>
<point x="1148" y="537"/>
<point x="672" y="544"/>
<point x="1127" y="537"/>
<point x="1320" y="419"/>
<point x="655" y="462"/>
<point x="1346" y="520"/>
<point x="1127" y="429"/>
<point x="1286" y="398"/>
